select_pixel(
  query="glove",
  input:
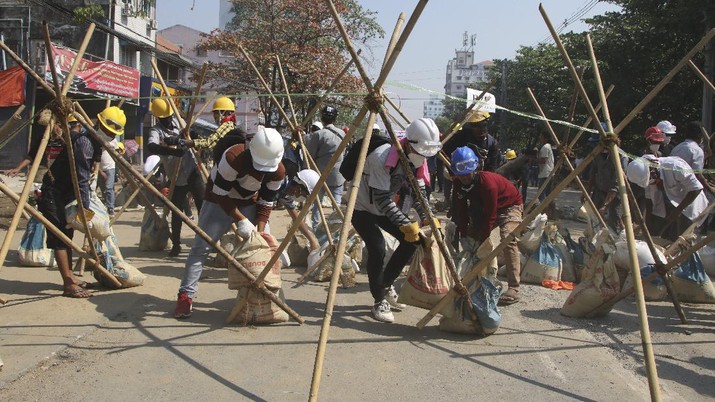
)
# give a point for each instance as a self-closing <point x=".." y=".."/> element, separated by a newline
<point x="245" y="228"/>
<point x="177" y="152"/>
<point x="76" y="223"/>
<point x="174" y="140"/>
<point x="411" y="232"/>
<point x="425" y="223"/>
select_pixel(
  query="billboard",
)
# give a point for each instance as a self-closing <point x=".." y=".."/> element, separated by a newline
<point x="100" y="78"/>
<point x="488" y="102"/>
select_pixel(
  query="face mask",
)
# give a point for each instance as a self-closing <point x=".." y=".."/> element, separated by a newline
<point x="416" y="159"/>
<point x="654" y="147"/>
<point x="666" y="141"/>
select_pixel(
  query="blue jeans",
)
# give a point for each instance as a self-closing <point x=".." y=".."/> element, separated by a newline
<point x="215" y="222"/>
<point x="108" y="189"/>
<point x="337" y="192"/>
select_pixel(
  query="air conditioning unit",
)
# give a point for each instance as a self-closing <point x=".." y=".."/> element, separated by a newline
<point x="152" y="24"/>
<point x="127" y="10"/>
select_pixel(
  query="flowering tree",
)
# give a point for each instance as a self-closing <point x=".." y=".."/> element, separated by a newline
<point x="305" y="37"/>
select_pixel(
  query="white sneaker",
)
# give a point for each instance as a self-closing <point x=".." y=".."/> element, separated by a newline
<point x="381" y="312"/>
<point x="391" y="297"/>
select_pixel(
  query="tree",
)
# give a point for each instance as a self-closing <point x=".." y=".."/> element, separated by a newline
<point x="308" y="43"/>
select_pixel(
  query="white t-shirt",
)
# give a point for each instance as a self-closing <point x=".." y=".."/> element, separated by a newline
<point x="691" y="153"/>
<point x="107" y="162"/>
<point x="677" y="183"/>
<point x="545" y="169"/>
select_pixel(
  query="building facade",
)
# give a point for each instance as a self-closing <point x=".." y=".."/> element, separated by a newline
<point x="463" y="72"/>
<point x="433" y="108"/>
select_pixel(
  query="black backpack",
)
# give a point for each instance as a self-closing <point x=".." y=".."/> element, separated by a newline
<point x="347" y="168"/>
<point x="233" y="137"/>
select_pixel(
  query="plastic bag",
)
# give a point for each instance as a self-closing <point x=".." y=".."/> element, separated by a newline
<point x="32" y="250"/>
<point x="531" y="238"/>
<point x="691" y="284"/>
<point x="622" y="256"/>
<point x="544" y="264"/>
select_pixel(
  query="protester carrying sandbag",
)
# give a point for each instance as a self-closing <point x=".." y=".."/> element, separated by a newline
<point x="483" y="201"/>
<point x="672" y="192"/>
<point x="165" y="141"/>
<point x="382" y="177"/>
<point x="297" y="189"/>
<point x="242" y="188"/>
<point x="58" y="190"/>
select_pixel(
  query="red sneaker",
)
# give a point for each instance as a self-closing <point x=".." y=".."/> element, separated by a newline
<point x="183" y="306"/>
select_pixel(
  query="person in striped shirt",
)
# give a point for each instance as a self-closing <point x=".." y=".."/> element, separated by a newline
<point x="224" y="112"/>
<point x="242" y="188"/>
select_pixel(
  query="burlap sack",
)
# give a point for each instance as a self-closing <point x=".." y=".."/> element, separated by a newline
<point x="254" y="254"/>
<point x="260" y="309"/>
<point x="428" y="278"/>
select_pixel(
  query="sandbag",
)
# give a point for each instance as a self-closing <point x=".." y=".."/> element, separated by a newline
<point x="325" y="270"/>
<point x="653" y="290"/>
<point x="544" y="264"/>
<point x="428" y="278"/>
<point x="599" y="281"/>
<point x="32" y="250"/>
<point x="690" y="282"/>
<point x="531" y="238"/>
<point x="593" y="225"/>
<point x="298" y="250"/>
<point x="260" y="309"/>
<point x="573" y="257"/>
<point x="154" y="231"/>
<point x="485" y="294"/>
<point x="707" y="256"/>
<point x="98" y="225"/>
<point x="253" y="254"/>
<point x="228" y="242"/>
<point x="622" y="256"/>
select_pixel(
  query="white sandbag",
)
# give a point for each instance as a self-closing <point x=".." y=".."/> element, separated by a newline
<point x="622" y="256"/>
<point x="593" y="225"/>
<point x="653" y="290"/>
<point x="325" y="270"/>
<point x="154" y="232"/>
<point x="691" y="284"/>
<point x="599" y="281"/>
<point x="531" y="238"/>
<point x="228" y="242"/>
<point x="98" y="225"/>
<point x="544" y="264"/>
<point x="32" y="250"/>
<point x="298" y="250"/>
<point x="707" y="256"/>
<point x="428" y="279"/>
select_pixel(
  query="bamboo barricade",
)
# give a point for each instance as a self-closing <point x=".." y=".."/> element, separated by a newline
<point x="11" y="123"/>
<point x="174" y="209"/>
<point x="133" y="195"/>
<point x="702" y="76"/>
<point x="375" y="91"/>
<point x="566" y="160"/>
<point x="689" y="231"/>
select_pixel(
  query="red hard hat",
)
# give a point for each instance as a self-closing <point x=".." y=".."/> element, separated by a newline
<point x="654" y="134"/>
<point x="346" y="129"/>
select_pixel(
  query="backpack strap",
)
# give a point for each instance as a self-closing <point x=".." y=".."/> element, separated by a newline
<point x="336" y="132"/>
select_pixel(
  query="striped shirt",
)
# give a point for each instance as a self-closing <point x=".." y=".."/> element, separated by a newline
<point x="210" y="141"/>
<point x="234" y="177"/>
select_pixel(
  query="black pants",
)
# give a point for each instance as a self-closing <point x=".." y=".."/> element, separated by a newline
<point x="52" y="206"/>
<point x="195" y="186"/>
<point x="380" y="277"/>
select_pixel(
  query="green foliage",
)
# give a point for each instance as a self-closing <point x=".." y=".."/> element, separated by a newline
<point x="84" y="13"/>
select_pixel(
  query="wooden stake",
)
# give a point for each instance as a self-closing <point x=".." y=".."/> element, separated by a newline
<point x="11" y="122"/>
<point x="702" y="76"/>
<point x="174" y="209"/>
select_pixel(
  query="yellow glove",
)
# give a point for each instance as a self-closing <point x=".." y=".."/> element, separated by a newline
<point x="411" y="232"/>
<point x="88" y="214"/>
<point x="437" y="224"/>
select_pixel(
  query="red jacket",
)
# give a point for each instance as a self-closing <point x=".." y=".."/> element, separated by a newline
<point x="476" y="206"/>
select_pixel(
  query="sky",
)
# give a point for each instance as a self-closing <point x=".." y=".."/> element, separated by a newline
<point x="501" y="27"/>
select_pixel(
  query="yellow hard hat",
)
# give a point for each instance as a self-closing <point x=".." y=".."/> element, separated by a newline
<point x="224" y="103"/>
<point x="510" y="154"/>
<point x="477" y="117"/>
<point x="71" y="118"/>
<point x="120" y="145"/>
<point x="113" y="119"/>
<point x="160" y="108"/>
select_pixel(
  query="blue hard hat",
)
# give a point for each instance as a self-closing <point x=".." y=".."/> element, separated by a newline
<point x="464" y="161"/>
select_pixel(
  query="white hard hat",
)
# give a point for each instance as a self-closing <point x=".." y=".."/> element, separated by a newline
<point x="308" y="178"/>
<point x="151" y="163"/>
<point x="638" y="171"/>
<point x="266" y="149"/>
<point x="316" y="124"/>
<point x="423" y="136"/>
<point x="666" y="127"/>
<point x="376" y="127"/>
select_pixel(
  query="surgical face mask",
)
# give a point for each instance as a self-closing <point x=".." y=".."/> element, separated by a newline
<point x="107" y="133"/>
<point x="416" y="159"/>
<point x="654" y="147"/>
<point x="666" y="141"/>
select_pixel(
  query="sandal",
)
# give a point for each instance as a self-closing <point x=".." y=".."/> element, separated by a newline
<point x="76" y="293"/>
<point x="509" y="297"/>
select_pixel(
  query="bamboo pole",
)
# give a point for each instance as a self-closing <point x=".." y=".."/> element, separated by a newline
<point x="654" y="252"/>
<point x="137" y="190"/>
<point x="18" y="60"/>
<point x="683" y="236"/>
<point x="375" y="90"/>
<point x="29" y="179"/>
<point x="314" y="108"/>
<point x="545" y="184"/>
<point x="189" y="222"/>
<point x="11" y="122"/>
<point x="702" y="76"/>
<point x="652" y="94"/>
<point x="651" y="368"/>
<point x="566" y="160"/>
